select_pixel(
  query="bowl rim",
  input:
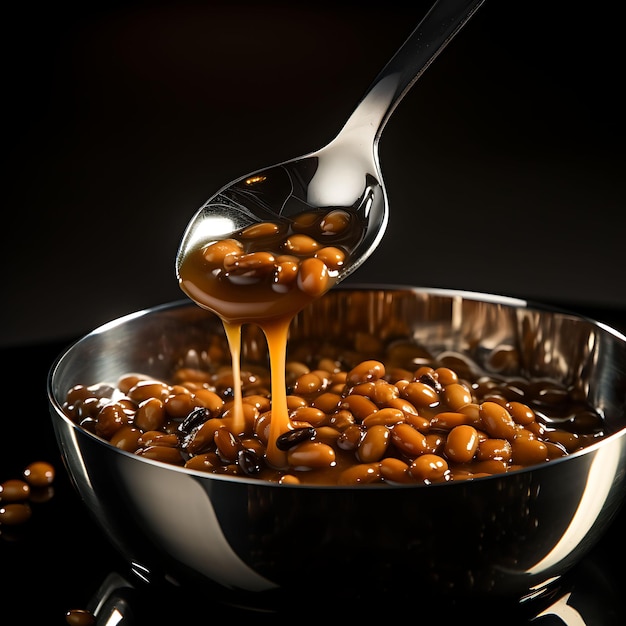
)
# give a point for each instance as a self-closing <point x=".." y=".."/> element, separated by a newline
<point x="57" y="412"/>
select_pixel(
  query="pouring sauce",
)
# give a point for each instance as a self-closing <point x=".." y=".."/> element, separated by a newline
<point x="265" y="274"/>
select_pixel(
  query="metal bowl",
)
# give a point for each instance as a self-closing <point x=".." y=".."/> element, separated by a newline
<point x="508" y="536"/>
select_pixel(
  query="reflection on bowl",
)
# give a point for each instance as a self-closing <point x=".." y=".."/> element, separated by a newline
<point x="507" y="536"/>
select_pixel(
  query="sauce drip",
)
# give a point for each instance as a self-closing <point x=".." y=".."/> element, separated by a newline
<point x="264" y="275"/>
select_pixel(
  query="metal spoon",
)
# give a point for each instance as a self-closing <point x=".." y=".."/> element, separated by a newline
<point x="346" y="172"/>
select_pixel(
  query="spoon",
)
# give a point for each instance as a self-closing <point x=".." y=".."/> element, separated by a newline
<point x="344" y="174"/>
<point x="270" y="242"/>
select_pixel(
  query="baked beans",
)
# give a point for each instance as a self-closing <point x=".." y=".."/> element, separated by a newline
<point x="380" y="424"/>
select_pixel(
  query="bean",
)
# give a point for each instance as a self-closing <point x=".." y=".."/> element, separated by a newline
<point x="472" y="411"/>
<point x="293" y="403"/>
<point x="420" y="395"/>
<point x="336" y="221"/>
<point x="332" y="257"/>
<point x="434" y="443"/>
<point x="364" y="473"/>
<point x="79" y="617"/>
<point x="39" y="474"/>
<point x="250" y="414"/>
<point x="521" y="413"/>
<point x="203" y="462"/>
<point x="394" y="470"/>
<point x="254" y="264"/>
<point x="300" y="244"/>
<point x="350" y="437"/>
<point x="127" y="438"/>
<point x="496" y="449"/>
<point x="179" y="405"/>
<point x="403" y="405"/>
<point x="313" y="277"/>
<point x="447" y="420"/>
<point x="259" y="402"/>
<point x="293" y="437"/>
<point x="111" y="418"/>
<point x="260" y="230"/>
<point x="227" y="444"/>
<point x="311" y="455"/>
<point x="215" y="253"/>
<point x="193" y="420"/>
<point x="360" y="406"/>
<point x="584" y="421"/>
<point x="308" y="383"/>
<point x="383" y="393"/>
<point x="461" y="444"/>
<point x="555" y="450"/>
<point x="364" y="372"/>
<point x="456" y="396"/>
<point x="306" y="220"/>
<point x="536" y="428"/>
<point x="157" y="438"/>
<point x="146" y="389"/>
<point x="569" y="441"/>
<point x="386" y="417"/>
<point x="327" y="434"/>
<point x="78" y="393"/>
<point x="165" y="454"/>
<point x="526" y="451"/>
<point x="425" y="370"/>
<point x="296" y="368"/>
<point x="285" y="275"/>
<point x="445" y="376"/>
<point x="249" y="462"/>
<point x="192" y="377"/>
<point x="373" y="444"/>
<point x="342" y="419"/>
<point x="330" y="365"/>
<point x="408" y="440"/>
<point x="150" y="414"/>
<point x="327" y="402"/>
<point x="126" y="382"/>
<point x="288" y="479"/>
<point x="252" y="443"/>
<point x="364" y="389"/>
<point x="418" y="422"/>
<point x="428" y="468"/>
<point x="14" y="490"/>
<point x="309" y="414"/>
<point x="496" y="398"/>
<point x="497" y="421"/>
<point x="262" y="426"/>
<point x="15" y="513"/>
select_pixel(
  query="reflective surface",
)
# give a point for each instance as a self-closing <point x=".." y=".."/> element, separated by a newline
<point x="343" y="174"/>
<point x="259" y="545"/>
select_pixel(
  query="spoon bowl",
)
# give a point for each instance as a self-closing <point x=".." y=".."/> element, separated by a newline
<point x="343" y="175"/>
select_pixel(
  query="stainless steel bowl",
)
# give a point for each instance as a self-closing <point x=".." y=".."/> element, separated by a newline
<point x="507" y="536"/>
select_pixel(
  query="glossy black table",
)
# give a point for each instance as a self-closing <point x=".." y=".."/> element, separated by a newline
<point x="60" y="560"/>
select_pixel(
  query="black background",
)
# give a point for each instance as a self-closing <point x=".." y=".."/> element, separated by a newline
<point x="504" y="164"/>
<point x="504" y="167"/>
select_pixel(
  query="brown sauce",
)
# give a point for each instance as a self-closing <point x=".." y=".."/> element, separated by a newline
<point x="265" y="275"/>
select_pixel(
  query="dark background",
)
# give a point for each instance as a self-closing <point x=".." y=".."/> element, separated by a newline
<point x="504" y="164"/>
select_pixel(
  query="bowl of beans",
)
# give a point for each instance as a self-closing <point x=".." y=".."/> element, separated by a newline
<point x="440" y="443"/>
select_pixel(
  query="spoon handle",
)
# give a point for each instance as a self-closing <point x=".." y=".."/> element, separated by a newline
<point x="442" y="22"/>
